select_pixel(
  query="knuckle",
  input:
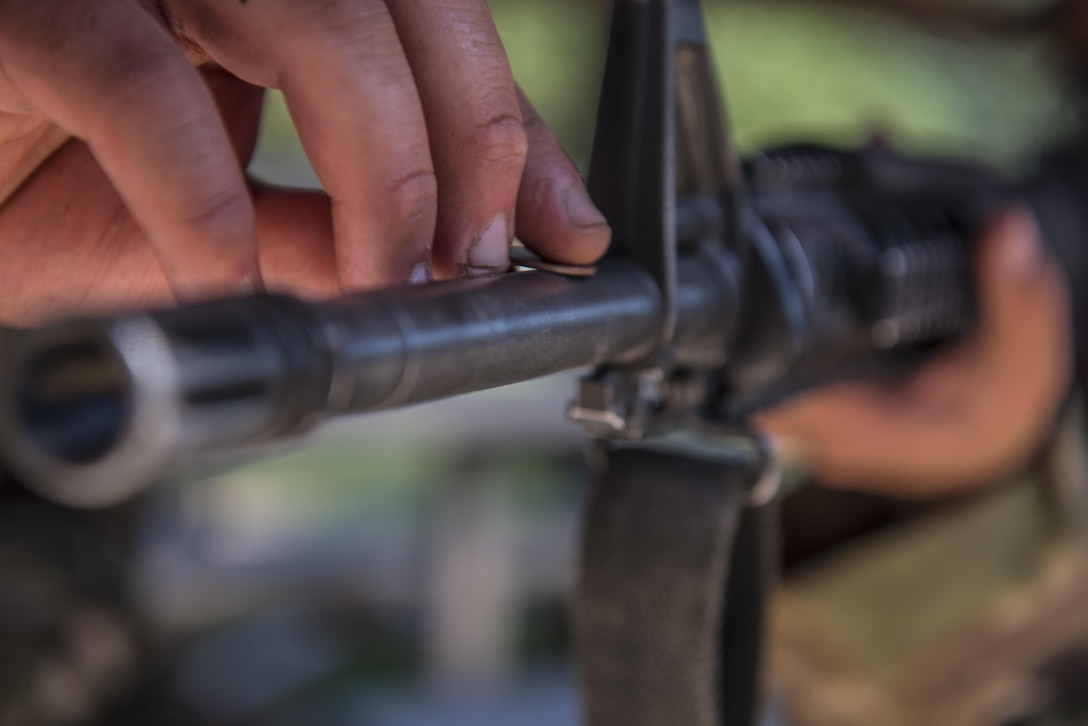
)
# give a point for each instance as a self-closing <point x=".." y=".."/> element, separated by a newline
<point x="413" y="196"/>
<point x="226" y="215"/>
<point x="134" y="66"/>
<point x="336" y="21"/>
<point x="348" y="34"/>
<point x="135" y="84"/>
<point x="536" y="126"/>
<point x="501" y="141"/>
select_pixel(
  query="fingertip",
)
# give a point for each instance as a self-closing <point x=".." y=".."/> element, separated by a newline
<point x="557" y="219"/>
<point x="1011" y="247"/>
<point x="490" y="251"/>
<point x="213" y="253"/>
<point x="590" y="247"/>
<point x="581" y="212"/>
<point x="297" y="245"/>
<point x="1020" y="285"/>
<point x="1017" y="221"/>
<point x="592" y="233"/>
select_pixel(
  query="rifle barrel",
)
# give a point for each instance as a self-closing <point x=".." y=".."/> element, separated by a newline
<point x="93" y="411"/>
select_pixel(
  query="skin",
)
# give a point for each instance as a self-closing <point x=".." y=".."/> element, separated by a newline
<point x="125" y="127"/>
<point x="976" y="412"/>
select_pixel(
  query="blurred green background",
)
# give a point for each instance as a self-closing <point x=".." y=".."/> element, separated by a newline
<point x="794" y="71"/>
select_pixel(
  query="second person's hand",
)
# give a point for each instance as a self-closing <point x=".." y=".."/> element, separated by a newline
<point x="971" y="414"/>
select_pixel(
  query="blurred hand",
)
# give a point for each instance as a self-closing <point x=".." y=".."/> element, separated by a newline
<point x="125" y="126"/>
<point x="972" y="414"/>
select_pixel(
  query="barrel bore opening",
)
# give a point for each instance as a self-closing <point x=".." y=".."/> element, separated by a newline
<point x="73" y="401"/>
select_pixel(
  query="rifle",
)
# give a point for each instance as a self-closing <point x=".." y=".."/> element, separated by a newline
<point x="729" y="286"/>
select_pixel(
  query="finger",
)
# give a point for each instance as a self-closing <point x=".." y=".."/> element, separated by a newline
<point x="1001" y="388"/>
<point x="108" y="74"/>
<point x="298" y="249"/>
<point x="294" y="226"/>
<point x="477" y="137"/>
<point x="240" y="105"/>
<point x="968" y="416"/>
<point x="555" y="216"/>
<point x="350" y="91"/>
<point x="361" y="122"/>
<point x="91" y="259"/>
<point x="1024" y="348"/>
<point x="1020" y="359"/>
<point x="297" y="244"/>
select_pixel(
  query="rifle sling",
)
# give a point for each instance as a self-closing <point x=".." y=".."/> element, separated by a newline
<point x="674" y="574"/>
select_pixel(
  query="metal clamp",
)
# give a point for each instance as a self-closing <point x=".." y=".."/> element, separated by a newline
<point x="664" y="174"/>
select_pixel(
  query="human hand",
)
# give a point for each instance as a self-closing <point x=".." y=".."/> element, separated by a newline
<point x="974" y="412"/>
<point x="407" y="111"/>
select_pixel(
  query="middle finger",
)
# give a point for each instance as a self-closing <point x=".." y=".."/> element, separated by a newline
<point x="477" y="136"/>
<point x="351" y="93"/>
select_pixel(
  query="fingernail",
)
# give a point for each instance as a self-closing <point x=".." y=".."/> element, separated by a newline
<point x="1021" y="253"/>
<point x="491" y="251"/>
<point x="581" y="211"/>
<point x="420" y="274"/>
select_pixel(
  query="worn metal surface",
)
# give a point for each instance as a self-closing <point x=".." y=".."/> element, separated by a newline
<point x="95" y="410"/>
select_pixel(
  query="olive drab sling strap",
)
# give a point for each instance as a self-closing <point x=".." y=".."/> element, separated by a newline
<point x="676" y="559"/>
<point x="669" y="612"/>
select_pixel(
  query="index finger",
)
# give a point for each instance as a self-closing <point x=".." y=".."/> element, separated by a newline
<point x="108" y="73"/>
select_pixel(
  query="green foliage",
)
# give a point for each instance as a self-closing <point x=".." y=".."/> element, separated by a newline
<point x="557" y="50"/>
<point x="796" y="70"/>
<point x="793" y="71"/>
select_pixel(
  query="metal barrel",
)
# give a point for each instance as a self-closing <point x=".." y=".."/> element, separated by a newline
<point x="92" y="412"/>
